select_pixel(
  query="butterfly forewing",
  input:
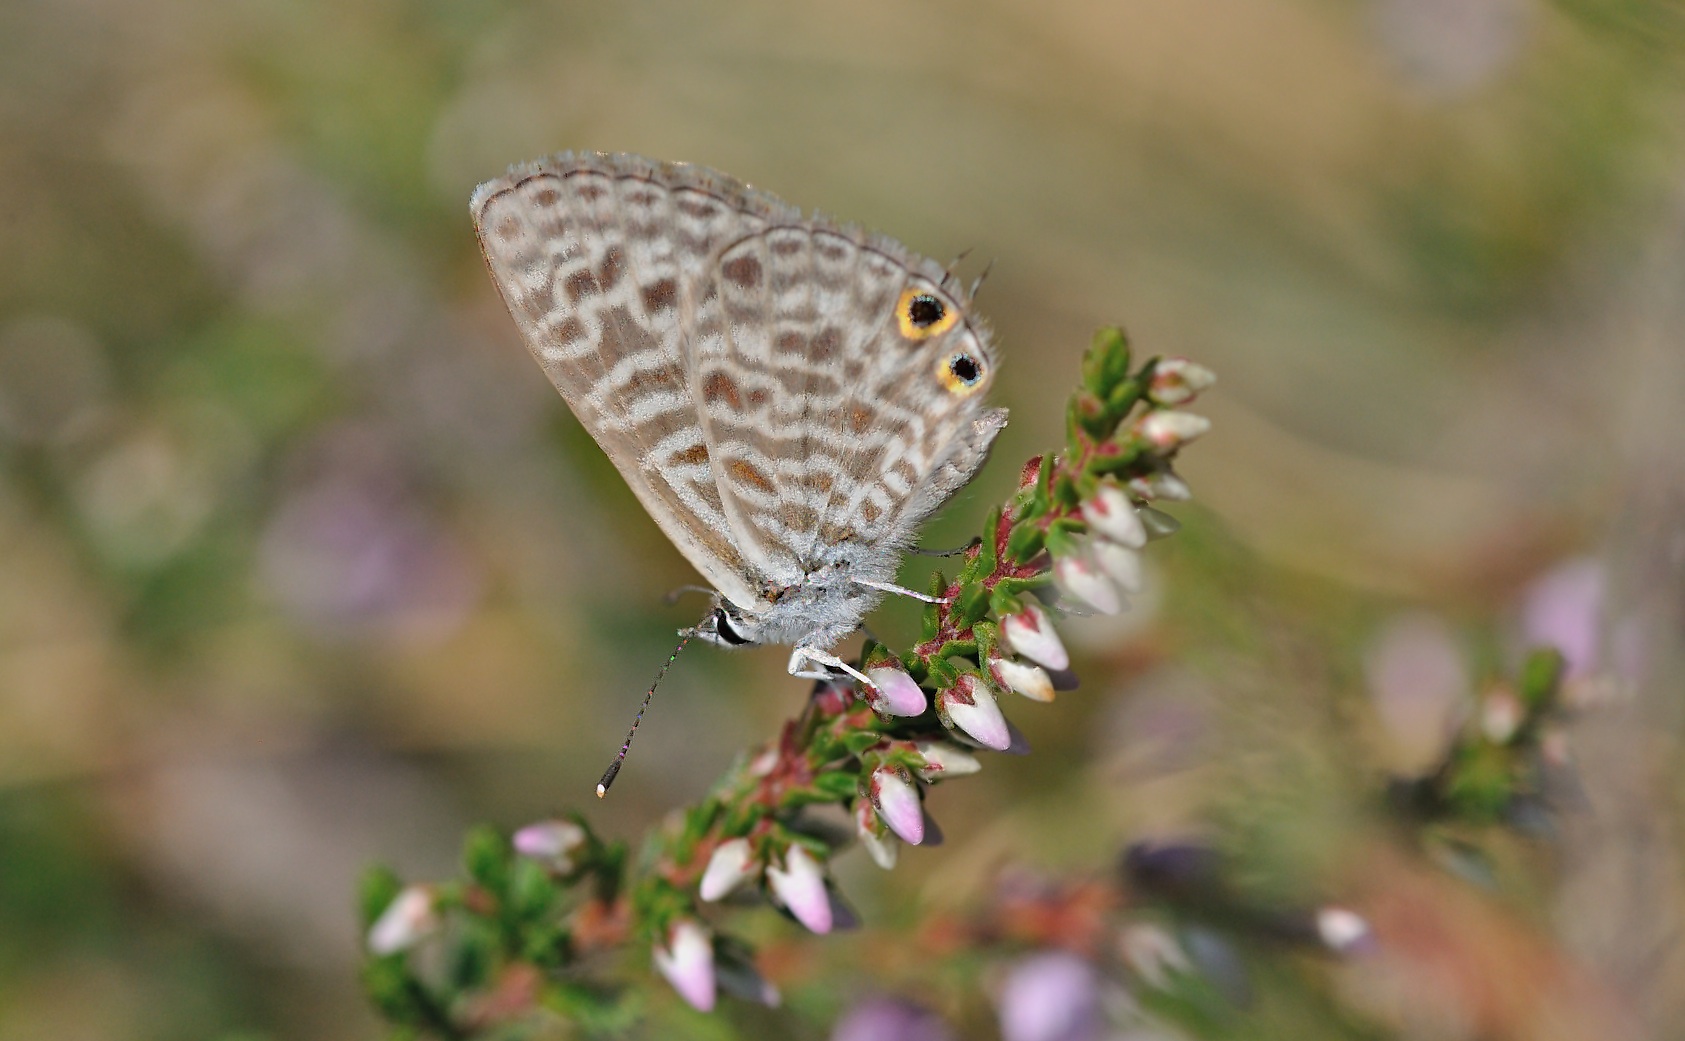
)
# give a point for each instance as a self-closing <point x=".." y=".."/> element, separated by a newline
<point x="593" y="255"/>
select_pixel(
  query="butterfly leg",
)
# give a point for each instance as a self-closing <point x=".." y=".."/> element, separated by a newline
<point x="802" y="655"/>
<point x="890" y="587"/>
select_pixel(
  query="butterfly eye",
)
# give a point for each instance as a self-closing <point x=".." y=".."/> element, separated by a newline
<point x="922" y="315"/>
<point x="960" y="372"/>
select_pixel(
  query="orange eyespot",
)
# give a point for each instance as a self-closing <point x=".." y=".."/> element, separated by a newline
<point x="961" y="372"/>
<point x="922" y="315"/>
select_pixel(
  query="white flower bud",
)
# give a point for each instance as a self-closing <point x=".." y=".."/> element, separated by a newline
<point x="1111" y="515"/>
<point x="687" y="961"/>
<point x="731" y="865"/>
<point x="1085" y="583"/>
<point x="1161" y="485"/>
<point x="800" y="886"/>
<point x="1169" y="429"/>
<point x="407" y="920"/>
<point x="1030" y="633"/>
<point x="970" y="706"/>
<point x="1177" y="381"/>
<point x="1121" y="563"/>
<point x="945" y="759"/>
<point x="1029" y="680"/>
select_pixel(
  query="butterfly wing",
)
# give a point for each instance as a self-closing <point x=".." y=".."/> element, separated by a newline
<point x="593" y="254"/>
<point x="839" y="382"/>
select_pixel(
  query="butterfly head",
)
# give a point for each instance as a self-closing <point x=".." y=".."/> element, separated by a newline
<point x="724" y="627"/>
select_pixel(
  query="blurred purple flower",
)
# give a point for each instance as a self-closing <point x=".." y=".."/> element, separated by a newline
<point x="890" y="1019"/>
<point x="352" y="548"/>
<point x="1052" y="996"/>
<point x="1564" y="609"/>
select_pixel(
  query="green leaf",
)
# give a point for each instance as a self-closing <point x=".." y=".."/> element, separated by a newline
<point x="485" y="857"/>
<point x="973" y="604"/>
<point x="1541" y="674"/>
<point x="834" y="785"/>
<point x="1023" y="544"/>
<point x="376" y="890"/>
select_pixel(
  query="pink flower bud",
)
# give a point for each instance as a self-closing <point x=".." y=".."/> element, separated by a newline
<point x="1177" y="381"/>
<point x="407" y="920"/>
<point x="1121" y="564"/>
<point x="800" y="886"/>
<point x="687" y="961"/>
<point x="1084" y="582"/>
<point x="896" y="693"/>
<point x="731" y="865"/>
<point x="970" y="706"/>
<point x="1031" y="634"/>
<point x="1111" y="515"/>
<point x="881" y="845"/>
<point x="1168" y="429"/>
<point x="552" y="843"/>
<point x="1029" y="680"/>
<point x="897" y="800"/>
<point x="945" y="759"/>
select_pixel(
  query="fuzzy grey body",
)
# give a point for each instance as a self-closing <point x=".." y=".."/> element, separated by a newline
<point x="788" y="397"/>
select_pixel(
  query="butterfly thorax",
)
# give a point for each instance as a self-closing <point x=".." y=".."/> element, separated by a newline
<point x="819" y="610"/>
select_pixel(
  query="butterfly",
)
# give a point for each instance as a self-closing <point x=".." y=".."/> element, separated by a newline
<point x="788" y="397"/>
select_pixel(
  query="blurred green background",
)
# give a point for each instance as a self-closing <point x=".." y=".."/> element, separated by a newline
<point x="303" y="564"/>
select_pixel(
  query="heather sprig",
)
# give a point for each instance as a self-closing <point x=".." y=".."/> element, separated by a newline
<point x="535" y="918"/>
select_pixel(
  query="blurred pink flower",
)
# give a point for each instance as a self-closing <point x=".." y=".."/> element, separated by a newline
<point x="1419" y="686"/>
<point x="897" y="799"/>
<point x="890" y="1019"/>
<point x="1564" y="609"/>
<point x="970" y="706"/>
<point x="1052" y="996"/>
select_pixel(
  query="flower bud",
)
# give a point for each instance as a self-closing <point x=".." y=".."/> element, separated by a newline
<point x="731" y="865"/>
<point x="1029" y="680"/>
<point x="969" y="706"/>
<point x="880" y="844"/>
<point x="1120" y="563"/>
<point x="1082" y="581"/>
<point x="944" y="759"/>
<point x="800" y="886"/>
<point x="1501" y="715"/>
<point x="687" y="961"/>
<point x="1168" y="429"/>
<point x="1177" y="381"/>
<point x="897" y="801"/>
<point x="1111" y="515"/>
<point x="1342" y="931"/>
<point x="552" y="843"/>
<point x="1161" y="485"/>
<point x="407" y="920"/>
<point x="896" y="694"/>
<point x="1031" y="634"/>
